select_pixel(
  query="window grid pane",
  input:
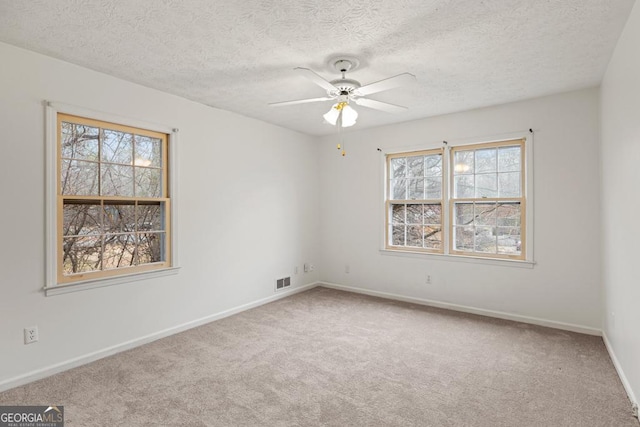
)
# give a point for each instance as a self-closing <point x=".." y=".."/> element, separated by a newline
<point x="487" y="227"/>
<point x="416" y="225"/>
<point x="492" y="172"/>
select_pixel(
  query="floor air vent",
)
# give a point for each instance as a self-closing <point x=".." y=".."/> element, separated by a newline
<point x="283" y="283"/>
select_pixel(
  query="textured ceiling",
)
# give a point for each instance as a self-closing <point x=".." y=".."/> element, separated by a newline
<point x="239" y="56"/>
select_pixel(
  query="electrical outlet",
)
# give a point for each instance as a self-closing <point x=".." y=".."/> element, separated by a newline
<point x="427" y="280"/>
<point x="347" y="269"/>
<point x="308" y="268"/>
<point x="613" y="320"/>
<point x="30" y="334"/>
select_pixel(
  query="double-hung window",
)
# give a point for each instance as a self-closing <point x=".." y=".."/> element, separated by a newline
<point x="113" y="203"/>
<point x="487" y="203"/>
<point x="414" y="204"/>
<point x="475" y="206"/>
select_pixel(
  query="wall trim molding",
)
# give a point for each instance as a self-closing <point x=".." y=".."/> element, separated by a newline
<point x="467" y="309"/>
<point x="47" y="371"/>
<point x="618" y="366"/>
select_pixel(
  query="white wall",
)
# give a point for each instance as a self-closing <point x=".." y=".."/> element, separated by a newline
<point x="620" y="108"/>
<point x="564" y="285"/>
<point x="255" y="200"/>
<point x="247" y="212"/>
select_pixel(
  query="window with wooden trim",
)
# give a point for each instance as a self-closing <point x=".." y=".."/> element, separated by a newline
<point x="481" y="214"/>
<point x="487" y="203"/>
<point x="113" y="204"/>
<point x="414" y="201"/>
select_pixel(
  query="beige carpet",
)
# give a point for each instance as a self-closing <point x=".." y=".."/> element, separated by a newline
<point x="325" y="357"/>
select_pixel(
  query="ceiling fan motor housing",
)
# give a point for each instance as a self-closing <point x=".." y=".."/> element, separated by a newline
<point x="343" y="87"/>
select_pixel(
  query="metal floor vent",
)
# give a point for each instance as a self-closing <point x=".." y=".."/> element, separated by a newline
<point x="283" y="283"/>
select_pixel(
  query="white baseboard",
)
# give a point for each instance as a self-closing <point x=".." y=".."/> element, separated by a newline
<point x="616" y="364"/>
<point x="91" y="357"/>
<point x="466" y="309"/>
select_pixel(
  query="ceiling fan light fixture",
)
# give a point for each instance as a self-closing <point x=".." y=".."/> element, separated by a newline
<point x="341" y="112"/>
<point x="349" y="116"/>
<point x="332" y="115"/>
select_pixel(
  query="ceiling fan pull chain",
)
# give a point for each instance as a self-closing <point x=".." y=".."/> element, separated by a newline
<point x="341" y="143"/>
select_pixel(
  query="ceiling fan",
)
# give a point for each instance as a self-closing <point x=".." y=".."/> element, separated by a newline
<point x="344" y="90"/>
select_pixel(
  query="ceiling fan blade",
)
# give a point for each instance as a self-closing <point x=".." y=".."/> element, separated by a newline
<point x="299" y="101"/>
<point x="311" y="75"/>
<point x="379" y="105"/>
<point x="386" y="84"/>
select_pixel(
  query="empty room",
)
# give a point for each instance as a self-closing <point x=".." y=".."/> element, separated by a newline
<point x="278" y="213"/>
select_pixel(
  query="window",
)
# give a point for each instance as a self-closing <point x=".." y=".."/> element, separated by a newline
<point x="113" y="205"/>
<point x="414" y="201"/>
<point x="483" y="213"/>
<point x="487" y="204"/>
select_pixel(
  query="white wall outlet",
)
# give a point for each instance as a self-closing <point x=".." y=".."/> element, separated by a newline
<point x="306" y="267"/>
<point x="613" y="320"/>
<point x="312" y="267"/>
<point x="30" y="334"/>
<point x="427" y="279"/>
<point x="347" y="269"/>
